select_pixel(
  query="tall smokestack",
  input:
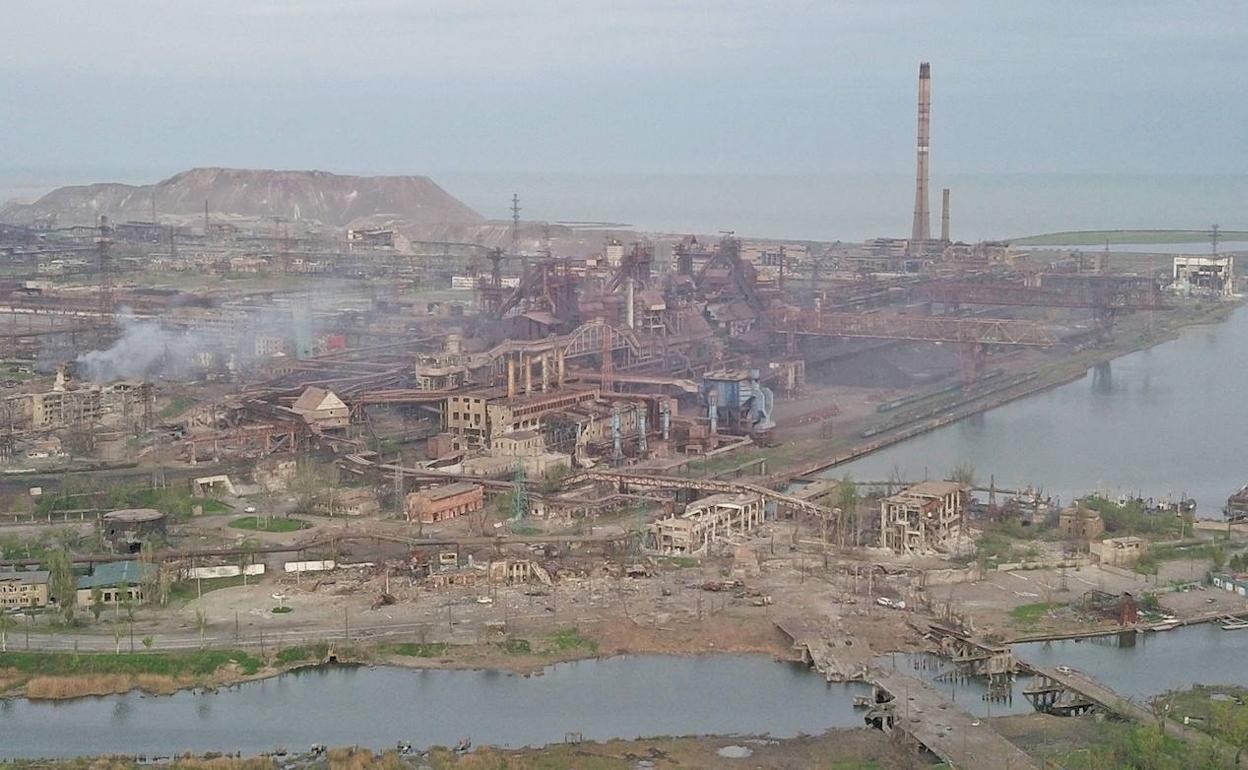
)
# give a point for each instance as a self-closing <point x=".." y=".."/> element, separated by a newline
<point x="922" y="230"/>
<point x="944" y="215"/>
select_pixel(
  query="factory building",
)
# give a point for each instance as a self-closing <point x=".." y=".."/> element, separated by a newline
<point x="707" y="521"/>
<point x="430" y="506"/>
<point x="322" y="409"/>
<point x="922" y="518"/>
<point x="1207" y="276"/>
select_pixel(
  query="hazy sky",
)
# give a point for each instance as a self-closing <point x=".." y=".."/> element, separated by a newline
<point x="648" y="85"/>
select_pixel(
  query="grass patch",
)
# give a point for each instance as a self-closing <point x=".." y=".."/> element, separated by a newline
<point x="176" y="406"/>
<point x="996" y="546"/>
<point x="175" y="501"/>
<point x="681" y="562"/>
<point x="270" y="524"/>
<point x="200" y="663"/>
<point x="186" y="590"/>
<point x="288" y="656"/>
<point x="570" y="640"/>
<point x="516" y="646"/>
<point x="1031" y="614"/>
<point x="417" y="649"/>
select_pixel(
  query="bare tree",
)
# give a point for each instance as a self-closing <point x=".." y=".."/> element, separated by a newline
<point x="201" y="623"/>
<point x="7" y="624"/>
<point x="847" y="499"/>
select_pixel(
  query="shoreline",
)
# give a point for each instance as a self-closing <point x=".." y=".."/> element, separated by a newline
<point x="482" y="656"/>
<point x="1052" y="375"/>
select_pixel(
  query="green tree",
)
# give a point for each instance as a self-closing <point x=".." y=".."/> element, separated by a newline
<point x="63" y="584"/>
<point x="1218" y="554"/>
<point x="1230" y="721"/>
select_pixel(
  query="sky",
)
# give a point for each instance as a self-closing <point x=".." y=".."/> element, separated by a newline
<point x="720" y="86"/>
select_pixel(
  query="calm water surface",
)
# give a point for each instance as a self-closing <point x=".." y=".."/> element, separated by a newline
<point x="622" y="697"/>
<point x="1142" y="665"/>
<point x="1170" y="420"/>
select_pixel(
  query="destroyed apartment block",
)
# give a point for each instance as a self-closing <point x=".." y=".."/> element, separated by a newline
<point x="81" y="407"/>
<point x="712" y="519"/>
<point x="922" y="518"/>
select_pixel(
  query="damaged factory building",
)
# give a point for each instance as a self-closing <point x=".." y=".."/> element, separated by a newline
<point x="922" y="518"/>
<point x="714" y="519"/>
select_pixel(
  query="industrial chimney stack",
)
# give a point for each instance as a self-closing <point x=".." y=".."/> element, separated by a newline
<point x="944" y="215"/>
<point x="922" y="230"/>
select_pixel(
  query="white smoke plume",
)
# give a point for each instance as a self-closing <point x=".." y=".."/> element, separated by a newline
<point x="145" y="349"/>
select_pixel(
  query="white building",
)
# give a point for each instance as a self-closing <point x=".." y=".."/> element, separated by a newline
<point x="1210" y="276"/>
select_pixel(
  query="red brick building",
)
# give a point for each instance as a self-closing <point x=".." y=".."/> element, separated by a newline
<point x="430" y="506"/>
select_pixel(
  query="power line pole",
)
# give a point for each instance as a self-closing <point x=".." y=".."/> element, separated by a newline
<point x="519" y="492"/>
<point x="515" y="232"/>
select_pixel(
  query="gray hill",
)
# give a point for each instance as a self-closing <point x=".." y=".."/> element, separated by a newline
<point x="330" y="199"/>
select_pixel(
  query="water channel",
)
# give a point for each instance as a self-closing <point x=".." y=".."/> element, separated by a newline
<point x="621" y="697"/>
<point x="1142" y="665"/>
<point x="1166" y="421"/>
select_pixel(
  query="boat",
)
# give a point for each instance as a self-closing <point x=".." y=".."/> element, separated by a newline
<point x="1164" y="625"/>
<point x="1234" y="625"/>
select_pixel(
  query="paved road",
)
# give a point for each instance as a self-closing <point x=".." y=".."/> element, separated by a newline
<point x="952" y="734"/>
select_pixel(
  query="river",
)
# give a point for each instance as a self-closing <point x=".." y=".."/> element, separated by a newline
<point x="1164" y="421"/>
<point x="1143" y="665"/>
<point x="619" y="697"/>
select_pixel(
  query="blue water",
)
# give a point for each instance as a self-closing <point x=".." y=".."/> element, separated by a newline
<point x="1167" y="421"/>
<point x="621" y="697"/>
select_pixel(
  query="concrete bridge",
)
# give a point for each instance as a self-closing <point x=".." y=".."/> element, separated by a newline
<point x="983" y="658"/>
<point x="961" y="740"/>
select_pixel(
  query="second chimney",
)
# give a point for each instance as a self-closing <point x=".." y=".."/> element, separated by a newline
<point x="944" y="215"/>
